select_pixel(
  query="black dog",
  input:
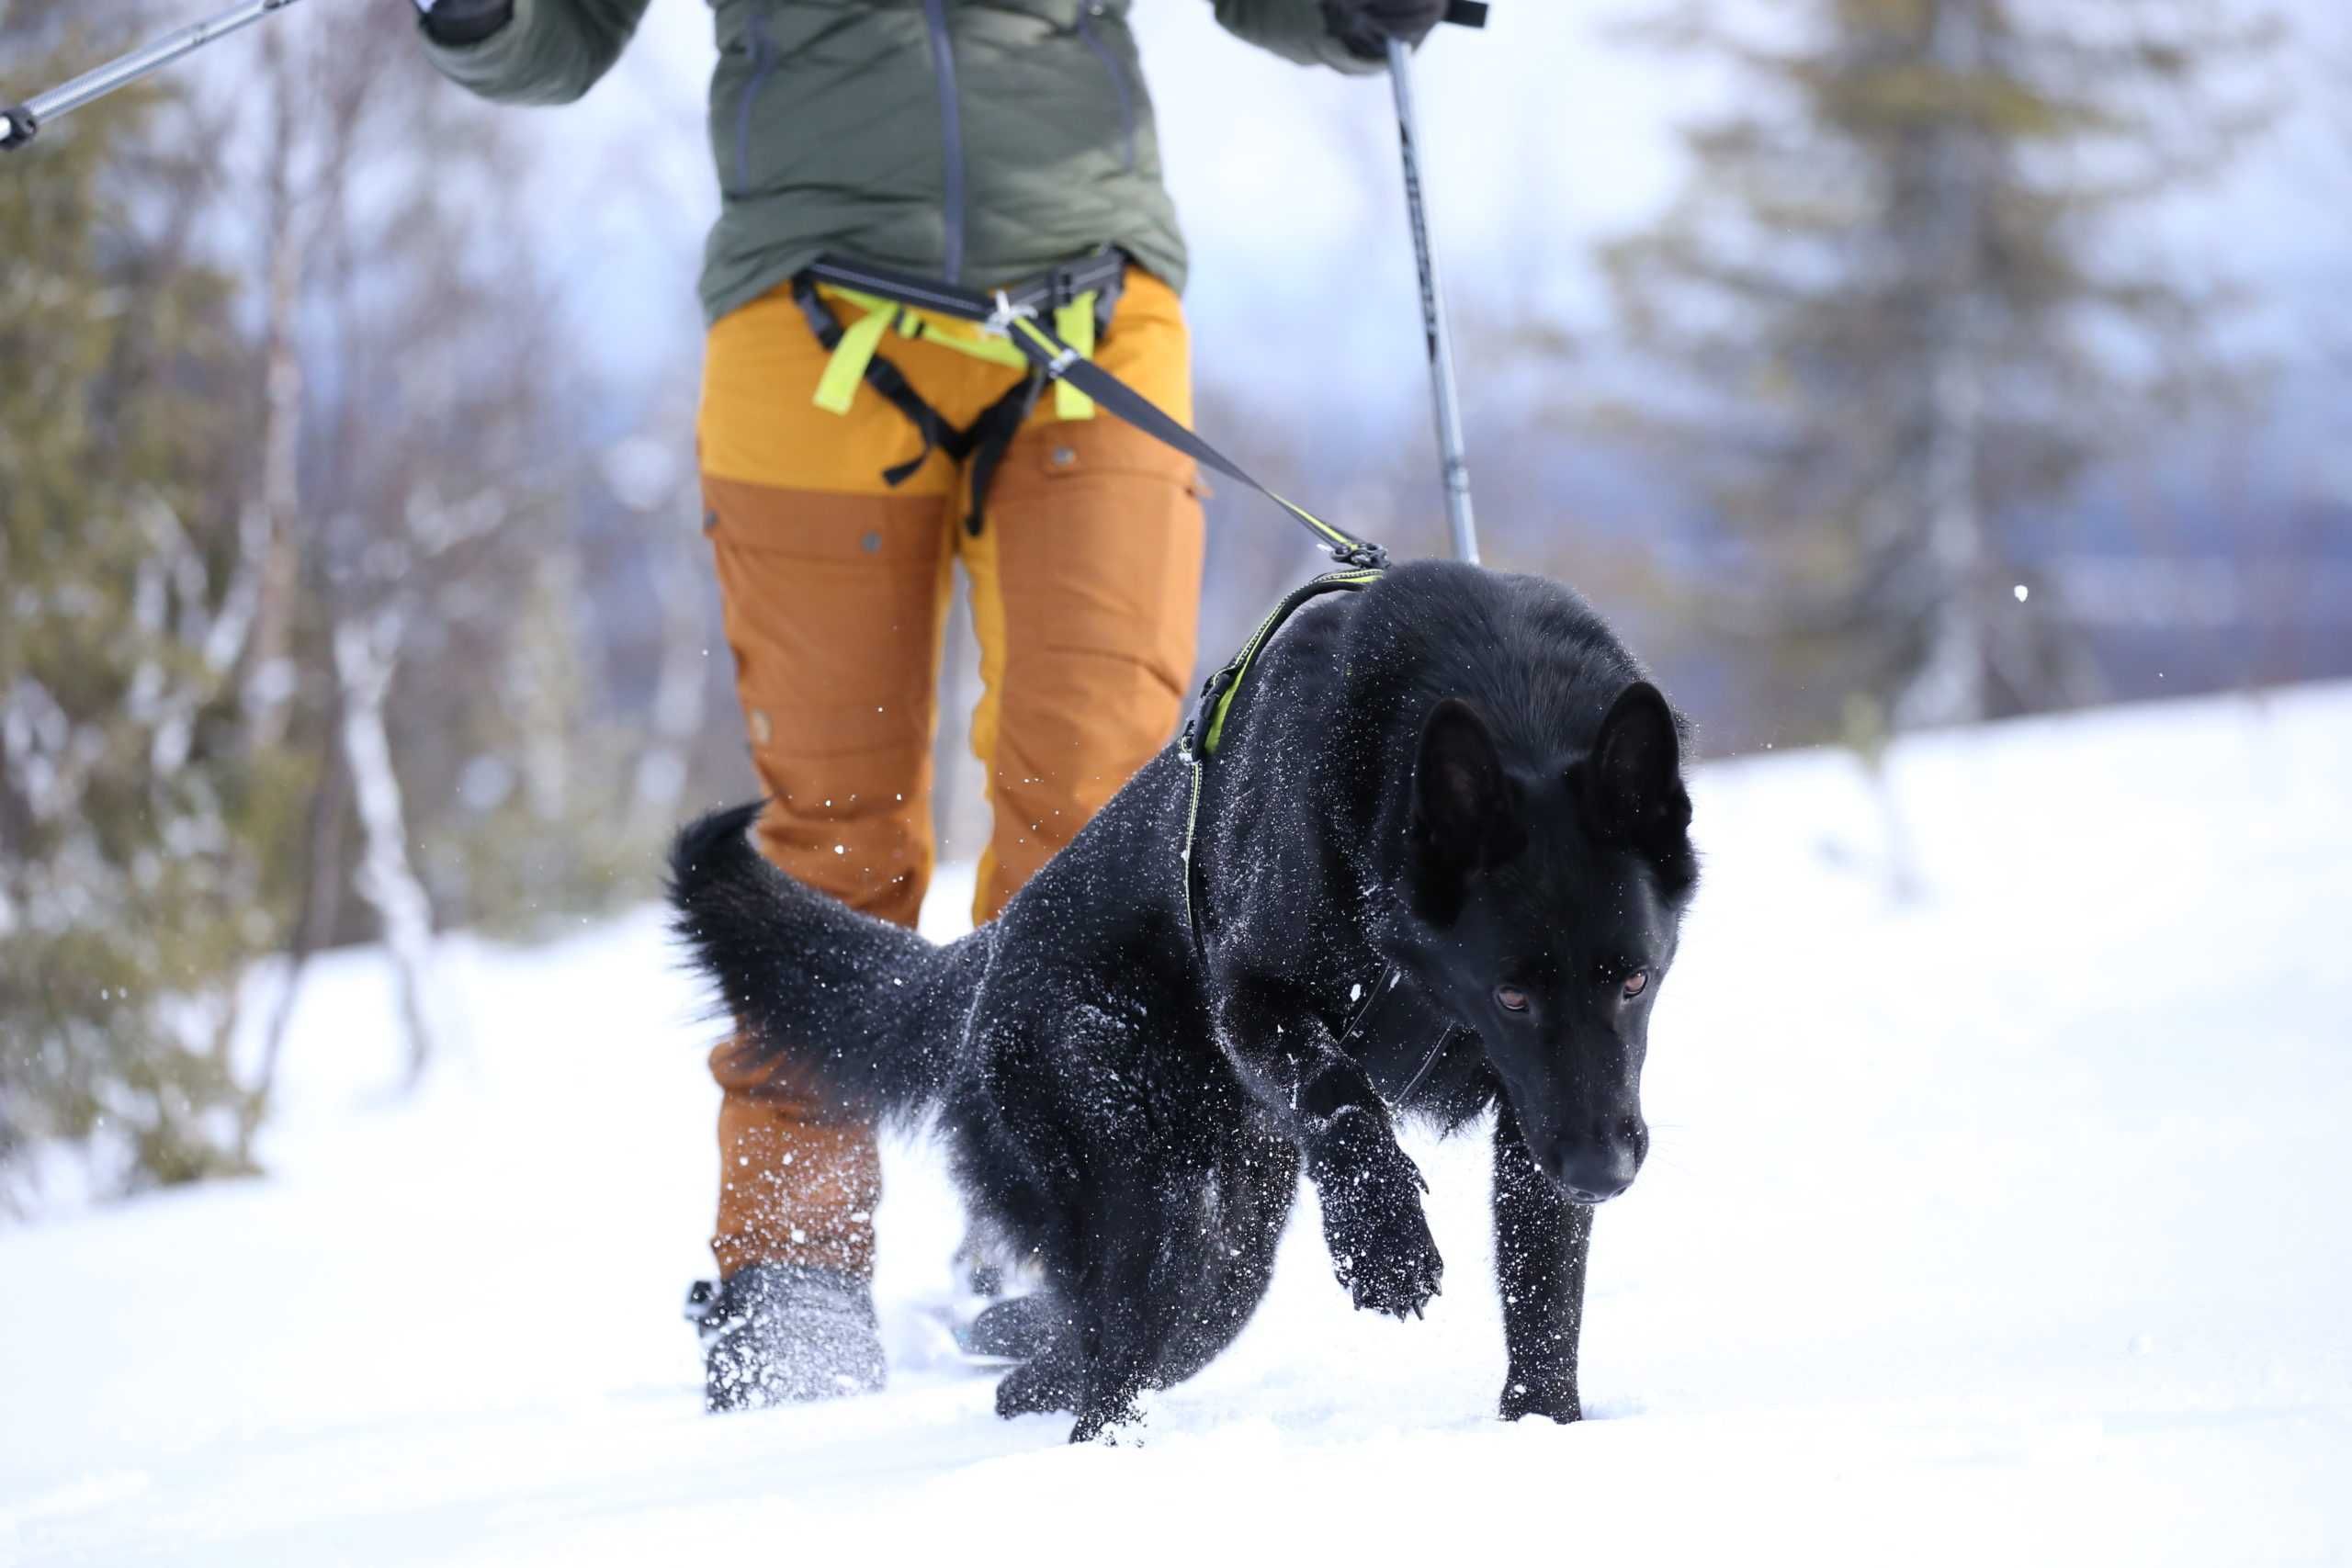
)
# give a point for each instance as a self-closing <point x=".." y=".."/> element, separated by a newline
<point x="1454" y="773"/>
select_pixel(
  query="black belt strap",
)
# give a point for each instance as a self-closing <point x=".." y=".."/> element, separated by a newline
<point x="988" y="438"/>
<point x="885" y="379"/>
<point x="1098" y="271"/>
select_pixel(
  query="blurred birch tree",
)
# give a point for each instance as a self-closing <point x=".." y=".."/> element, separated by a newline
<point x="296" y="647"/>
<point x="138" y="806"/>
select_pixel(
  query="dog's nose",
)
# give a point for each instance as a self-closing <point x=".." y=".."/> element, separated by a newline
<point x="1595" y="1169"/>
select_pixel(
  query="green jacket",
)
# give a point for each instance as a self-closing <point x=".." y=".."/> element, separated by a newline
<point x="980" y="141"/>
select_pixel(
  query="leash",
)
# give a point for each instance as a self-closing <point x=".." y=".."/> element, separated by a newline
<point x="1062" y="361"/>
<point x="1018" y="316"/>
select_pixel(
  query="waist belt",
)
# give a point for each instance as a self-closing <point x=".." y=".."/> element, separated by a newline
<point x="1080" y="295"/>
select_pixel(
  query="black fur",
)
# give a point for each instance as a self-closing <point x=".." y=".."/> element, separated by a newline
<point x="1458" y="771"/>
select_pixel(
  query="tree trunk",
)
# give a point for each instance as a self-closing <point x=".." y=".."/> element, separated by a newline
<point x="678" y="694"/>
<point x="1950" y="685"/>
<point x="269" y="682"/>
<point x="365" y="657"/>
<point x="313" y="924"/>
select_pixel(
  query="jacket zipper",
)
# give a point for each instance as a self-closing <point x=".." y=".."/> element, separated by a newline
<point x="1118" y="78"/>
<point x="951" y="126"/>
<point x="762" y="63"/>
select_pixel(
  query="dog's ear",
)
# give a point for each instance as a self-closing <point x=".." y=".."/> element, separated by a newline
<point x="1466" y="816"/>
<point x="1631" y="784"/>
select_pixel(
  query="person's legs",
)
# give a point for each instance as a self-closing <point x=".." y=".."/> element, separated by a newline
<point x="833" y="587"/>
<point x="1085" y="589"/>
<point x="1086" y="594"/>
<point x="832" y="607"/>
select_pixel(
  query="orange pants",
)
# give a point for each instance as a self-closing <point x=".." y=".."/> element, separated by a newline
<point x="1085" y="583"/>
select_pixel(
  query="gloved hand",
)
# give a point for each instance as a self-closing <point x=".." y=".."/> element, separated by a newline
<point x="1364" y="27"/>
<point x="462" y="22"/>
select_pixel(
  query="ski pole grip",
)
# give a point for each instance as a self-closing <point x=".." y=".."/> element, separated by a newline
<point x="1465" y="12"/>
<point x="17" y="127"/>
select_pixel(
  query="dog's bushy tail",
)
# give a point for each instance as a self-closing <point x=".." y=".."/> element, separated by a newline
<point x="864" y="1012"/>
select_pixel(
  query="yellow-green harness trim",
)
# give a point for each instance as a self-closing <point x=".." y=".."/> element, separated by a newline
<point x="1206" y="730"/>
<point x="845" y="367"/>
<point x="1328" y="582"/>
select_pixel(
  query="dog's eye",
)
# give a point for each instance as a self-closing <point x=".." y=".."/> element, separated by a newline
<point x="1511" y="998"/>
<point x="1636" y="983"/>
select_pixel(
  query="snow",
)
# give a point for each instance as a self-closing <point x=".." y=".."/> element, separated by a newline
<point x="2004" y="1224"/>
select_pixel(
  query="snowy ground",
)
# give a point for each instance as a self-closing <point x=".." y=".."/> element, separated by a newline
<point x="2008" y="1225"/>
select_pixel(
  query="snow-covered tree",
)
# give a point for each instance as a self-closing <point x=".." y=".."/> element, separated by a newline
<point x="1909" y="294"/>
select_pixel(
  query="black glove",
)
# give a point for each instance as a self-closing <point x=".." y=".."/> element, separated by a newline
<point x="1364" y="27"/>
<point x="461" y="22"/>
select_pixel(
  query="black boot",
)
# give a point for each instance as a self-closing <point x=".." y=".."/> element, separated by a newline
<point x="776" y="1333"/>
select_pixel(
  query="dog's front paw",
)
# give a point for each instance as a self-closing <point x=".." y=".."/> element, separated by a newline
<point x="1395" y="1268"/>
<point x="1035" y="1387"/>
<point x="1379" y="1241"/>
<point x="1536" y="1397"/>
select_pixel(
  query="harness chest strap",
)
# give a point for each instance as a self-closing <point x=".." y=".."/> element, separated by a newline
<point x="1204" y="731"/>
<point x="1203" y="734"/>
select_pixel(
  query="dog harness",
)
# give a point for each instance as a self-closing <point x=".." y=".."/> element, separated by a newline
<point x="1203" y="734"/>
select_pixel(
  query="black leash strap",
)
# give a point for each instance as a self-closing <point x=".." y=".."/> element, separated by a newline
<point x="1018" y="315"/>
<point x="1062" y="363"/>
<point x="886" y="380"/>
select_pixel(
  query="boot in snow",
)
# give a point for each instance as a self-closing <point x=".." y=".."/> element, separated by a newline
<point x="777" y="1332"/>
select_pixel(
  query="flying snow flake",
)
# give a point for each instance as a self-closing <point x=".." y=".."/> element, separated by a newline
<point x="2022" y="591"/>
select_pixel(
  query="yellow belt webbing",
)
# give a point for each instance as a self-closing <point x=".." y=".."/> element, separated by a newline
<point x="862" y="340"/>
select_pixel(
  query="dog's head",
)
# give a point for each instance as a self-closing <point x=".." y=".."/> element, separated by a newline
<point x="1545" y="901"/>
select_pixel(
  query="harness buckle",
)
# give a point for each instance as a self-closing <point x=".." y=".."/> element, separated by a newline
<point x="1195" y="731"/>
<point x="999" y="321"/>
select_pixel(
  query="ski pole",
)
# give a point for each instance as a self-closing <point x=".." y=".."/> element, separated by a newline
<point x="1439" y="337"/>
<point x="21" y="122"/>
